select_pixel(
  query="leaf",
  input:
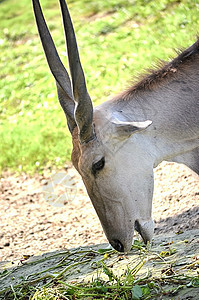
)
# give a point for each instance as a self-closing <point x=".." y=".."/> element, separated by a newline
<point x="70" y="291"/>
<point x="136" y="292"/>
<point x="138" y="243"/>
<point x="4" y="272"/>
<point x="106" y="255"/>
<point x="169" y="252"/>
<point x="101" y="289"/>
<point x="193" y="283"/>
<point x="102" y="251"/>
<point x="104" y="289"/>
<point x="146" y="290"/>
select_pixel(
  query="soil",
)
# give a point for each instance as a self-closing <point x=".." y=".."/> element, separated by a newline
<point x="30" y="225"/>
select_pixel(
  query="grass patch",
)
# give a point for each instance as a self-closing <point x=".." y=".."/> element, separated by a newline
<point x="104" y="274"/>
<point x="117" y="39"/>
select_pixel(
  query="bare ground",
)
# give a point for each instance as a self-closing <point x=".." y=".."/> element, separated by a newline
<point x="29" y="225"/>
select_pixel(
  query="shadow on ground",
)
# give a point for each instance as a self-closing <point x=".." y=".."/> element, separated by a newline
<point x="177" y="223"/>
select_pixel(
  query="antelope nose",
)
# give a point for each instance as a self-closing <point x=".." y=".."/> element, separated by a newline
<point x="117" y="245"/>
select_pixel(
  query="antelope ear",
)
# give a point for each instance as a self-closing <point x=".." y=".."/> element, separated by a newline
<point x="126" y="129"/>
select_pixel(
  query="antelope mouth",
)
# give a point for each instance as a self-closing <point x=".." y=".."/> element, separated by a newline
<point x="145" y="229"/>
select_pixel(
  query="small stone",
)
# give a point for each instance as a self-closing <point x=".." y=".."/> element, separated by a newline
<point x="7" y="244"/>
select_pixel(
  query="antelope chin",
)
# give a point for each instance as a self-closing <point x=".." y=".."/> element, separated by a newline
<point x="145" y="229"/>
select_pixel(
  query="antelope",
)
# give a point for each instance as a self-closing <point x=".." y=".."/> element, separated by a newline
<point x="117" y="145"/>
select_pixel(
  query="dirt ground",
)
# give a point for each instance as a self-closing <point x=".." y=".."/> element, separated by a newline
<point x="31" y="225"/>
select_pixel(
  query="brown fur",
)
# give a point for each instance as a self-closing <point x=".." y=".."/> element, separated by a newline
<point x="166" y="71"/>
<point x="76" y="149"/>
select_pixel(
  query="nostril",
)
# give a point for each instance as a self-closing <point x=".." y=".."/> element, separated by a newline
<point x="117" y="245"/>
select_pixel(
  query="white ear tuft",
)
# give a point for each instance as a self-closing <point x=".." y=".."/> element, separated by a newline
<point x="128" y="128"/>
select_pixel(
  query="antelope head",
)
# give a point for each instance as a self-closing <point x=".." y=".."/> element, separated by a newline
<point x="118" y="185"/>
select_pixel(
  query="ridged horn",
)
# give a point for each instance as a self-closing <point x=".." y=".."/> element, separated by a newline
<point x="83" y="107"/>
<point x="57" y="68"/>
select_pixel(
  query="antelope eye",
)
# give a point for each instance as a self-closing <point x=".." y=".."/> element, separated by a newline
<point x="99" y="165"/>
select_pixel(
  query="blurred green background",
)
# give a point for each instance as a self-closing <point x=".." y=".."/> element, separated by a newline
<point x="117" y="40"/>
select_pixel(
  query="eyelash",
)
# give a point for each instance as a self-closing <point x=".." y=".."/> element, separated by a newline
<point x="98" y="166"/>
